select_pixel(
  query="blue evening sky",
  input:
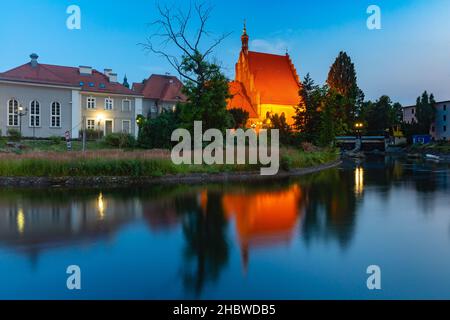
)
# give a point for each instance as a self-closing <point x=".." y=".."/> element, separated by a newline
<point x="410" y="54"/>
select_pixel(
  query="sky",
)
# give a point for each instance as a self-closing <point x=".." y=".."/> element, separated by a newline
<point x="410" y="54"/>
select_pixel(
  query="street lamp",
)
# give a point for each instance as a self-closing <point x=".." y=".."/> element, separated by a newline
<point x="359" y="126"/>
<point x="22" y="112"/>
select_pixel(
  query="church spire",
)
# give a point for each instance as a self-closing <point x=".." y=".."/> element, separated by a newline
<point x="125" y="82"/>
<point x="244" y="39"/>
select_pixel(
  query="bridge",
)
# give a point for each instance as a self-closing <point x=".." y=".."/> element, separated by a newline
<point x="363" y="143"/>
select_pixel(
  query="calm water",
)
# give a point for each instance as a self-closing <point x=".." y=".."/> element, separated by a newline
<point x="304" y="238"/>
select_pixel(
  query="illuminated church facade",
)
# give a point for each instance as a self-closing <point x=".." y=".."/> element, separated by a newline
<point x="264" y="83"/>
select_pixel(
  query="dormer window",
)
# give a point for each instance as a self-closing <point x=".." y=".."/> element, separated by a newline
<point x="91" y="84"/>
<point x="81" y="83"/>
<point x="102" y="86"/>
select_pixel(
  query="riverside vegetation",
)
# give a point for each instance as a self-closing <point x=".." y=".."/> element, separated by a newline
<point x="151" y="163"/>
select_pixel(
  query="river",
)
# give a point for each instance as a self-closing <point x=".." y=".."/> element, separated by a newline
<point x="310" y="237"/>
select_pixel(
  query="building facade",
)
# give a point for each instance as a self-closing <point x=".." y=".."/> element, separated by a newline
<point x="264" y="83"/>
<point x="440" y="128"/>
<point x="160" y="92"/>
<point x="44" y="100"/>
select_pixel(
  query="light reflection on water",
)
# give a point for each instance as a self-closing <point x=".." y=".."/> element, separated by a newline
<point x="309" y="237"/>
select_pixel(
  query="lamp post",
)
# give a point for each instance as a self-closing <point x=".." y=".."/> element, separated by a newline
<point x="359" y="126"/>
<point x="22" y="112"/>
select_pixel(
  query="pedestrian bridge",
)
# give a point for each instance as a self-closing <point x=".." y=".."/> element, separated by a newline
<point x="368" y="143"/>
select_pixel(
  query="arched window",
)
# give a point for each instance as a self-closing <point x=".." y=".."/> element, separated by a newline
<point x="35" y="114"/>
<point x="55" y="115"/>
<point x="13" y="113"/>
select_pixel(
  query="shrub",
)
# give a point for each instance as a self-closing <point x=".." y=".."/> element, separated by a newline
<point x="120" y="140"/>
<point x="55" y="140"/>
<point x="286" y="162"/>
<point x="14" y="135"/>
<point x="157" y="133"/>
<point x="92" y="134"/>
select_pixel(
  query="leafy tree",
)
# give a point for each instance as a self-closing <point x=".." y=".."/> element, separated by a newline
<point x="279" y="122"/>
<point x="307" y="115"/>
<point x="343" y="81"/>
<point x="157" y="133"/>
<point x="207" y="98"/>
<point x="425" y="112"/>
<point x="342" y="76"/>
<point x="328" y="121"/>
<point x="206" y="87"/>
<point x="381" y="115"/>
<point x="240" y="117"/>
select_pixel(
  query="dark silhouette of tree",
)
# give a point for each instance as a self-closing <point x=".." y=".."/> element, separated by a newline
<point x="343" y="81"/>
<point x="240" y="117"/>
<point x="307" y="115"/>
<point x="206" y="87"/>
<point x="206" y="250"/>
<point x="425" y="112"/>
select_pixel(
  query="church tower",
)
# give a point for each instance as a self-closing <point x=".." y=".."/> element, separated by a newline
<point x="245" y="39"/>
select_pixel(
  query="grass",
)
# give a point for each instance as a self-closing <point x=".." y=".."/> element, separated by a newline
<point x="44" y="159"/>
<point x="47" y="145"/>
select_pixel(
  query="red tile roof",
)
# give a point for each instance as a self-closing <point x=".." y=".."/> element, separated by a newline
<point x="65" y="76"/>
<point x="161" y="87"/>
<point x="240" y="100"/>
<point x="275" y="78"/>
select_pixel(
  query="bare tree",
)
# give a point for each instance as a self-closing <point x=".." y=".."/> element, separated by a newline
<point x="173" y="27"/>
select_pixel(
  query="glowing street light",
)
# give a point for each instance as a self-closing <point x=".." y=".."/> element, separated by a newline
<point x="359" y="126"/>
<point x="21" y="112"/>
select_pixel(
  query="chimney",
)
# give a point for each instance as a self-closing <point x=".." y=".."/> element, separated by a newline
<point x="34" y="60"/>
<point x="112" y="77"/>
<point x="107" y="72"/>
<point x="85" y="70"/>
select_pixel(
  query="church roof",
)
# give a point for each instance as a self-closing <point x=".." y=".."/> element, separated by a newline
<point x="240" y="99"/>
<point x="275" y="78"/>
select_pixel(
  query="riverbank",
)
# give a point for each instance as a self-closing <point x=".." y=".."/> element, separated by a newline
<point x="119" y="168"/>
<point x="121" y="181"/>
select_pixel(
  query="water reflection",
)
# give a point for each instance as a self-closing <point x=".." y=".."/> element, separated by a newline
<point x="320" y="208"/>
<point x="359" y="180"/>
<point x="263" y="218"/>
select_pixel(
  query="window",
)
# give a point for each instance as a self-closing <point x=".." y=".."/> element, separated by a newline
<point x="126" y="105"/>
<point x="109" y="104"/>
<point x="35" y="114"/>
<point x="412" y="111"/>
<point x="55" y="117"/>
<point x="91" y="84"/>
<point x="90" y="124"/>
<point x="445" y="128"/>
<point x="102" y="86"/>
<point x="91" y="103"/>
<point x="13" y="113"/>
<point x="126" y="126"/>
<point x="445" y="118"/>
<point x="432" y="129"/>
<point x="445" y="107"/>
